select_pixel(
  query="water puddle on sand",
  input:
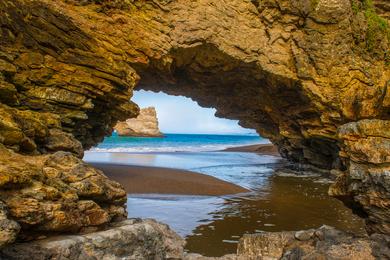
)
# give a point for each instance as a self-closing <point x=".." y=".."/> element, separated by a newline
<point x="212" y="226"/>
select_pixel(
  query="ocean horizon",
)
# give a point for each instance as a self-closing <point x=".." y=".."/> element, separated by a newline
<point x="175" y="142"/>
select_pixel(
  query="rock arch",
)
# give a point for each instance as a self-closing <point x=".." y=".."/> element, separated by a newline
<point x="299" y="72"/>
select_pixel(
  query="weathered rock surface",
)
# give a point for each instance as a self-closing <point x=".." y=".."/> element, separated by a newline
<point x="296" y="71"/>
<point x="130" y="239"/>
<point x="9" y="229"/>
<point x="54" y="193"/>
<point x="148" y="239"/>
<point x="367" y="144"/>
<point x="322" y="243"/>
<point x="144" y="125"/>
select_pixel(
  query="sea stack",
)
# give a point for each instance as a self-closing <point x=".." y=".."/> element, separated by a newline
<point x="145" y="125"/>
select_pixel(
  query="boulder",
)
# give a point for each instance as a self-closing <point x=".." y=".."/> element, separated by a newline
<point x="130" y="239"/>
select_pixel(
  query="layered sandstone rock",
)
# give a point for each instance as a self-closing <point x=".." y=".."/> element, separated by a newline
<point x="54" y="193"/>
<point x="298" y="72"/>
<point x="367" y="145"/>
<point x="144" y="125"/>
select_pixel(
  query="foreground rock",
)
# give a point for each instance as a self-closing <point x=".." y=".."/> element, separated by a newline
<point x="148" y="239"/>
<point x="130" y="239"/>
<point x="323" y="243"/>
<point x="145" y="125"/>
<point x="54" y="193"/>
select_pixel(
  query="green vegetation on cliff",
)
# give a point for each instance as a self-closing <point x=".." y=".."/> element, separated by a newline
<point x="378" y="29"/>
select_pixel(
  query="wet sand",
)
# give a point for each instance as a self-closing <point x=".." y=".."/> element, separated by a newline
<point x="266" y="149"/>
<point x="143" y="179"/>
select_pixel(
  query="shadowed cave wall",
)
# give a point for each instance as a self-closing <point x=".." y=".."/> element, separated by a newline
<point x="299" y="72"/>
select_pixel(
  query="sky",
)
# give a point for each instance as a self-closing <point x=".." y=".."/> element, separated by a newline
<point x="177" y="114"/>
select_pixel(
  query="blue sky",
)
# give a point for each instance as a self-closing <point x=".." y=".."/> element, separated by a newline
<point x="182" y="115"/>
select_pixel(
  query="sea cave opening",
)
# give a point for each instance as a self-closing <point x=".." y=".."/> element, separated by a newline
<point x="286" y="69"/>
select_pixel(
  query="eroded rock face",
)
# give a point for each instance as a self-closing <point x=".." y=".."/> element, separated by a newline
<point x="367" y="145"/>
<point x="296" y="71"/>
<point x="145" y="125"/>
<point x="56" y="193"/>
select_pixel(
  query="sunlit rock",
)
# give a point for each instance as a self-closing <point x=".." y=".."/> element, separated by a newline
<point x="144" y="125"/>
<point x="56" y="193"/>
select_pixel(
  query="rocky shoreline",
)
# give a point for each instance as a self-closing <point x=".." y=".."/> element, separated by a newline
<point x="130" y="239"/>
<point x="148" y="239"/>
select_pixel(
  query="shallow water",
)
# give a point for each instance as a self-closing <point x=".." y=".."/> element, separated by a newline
<point x="212" y="226"/>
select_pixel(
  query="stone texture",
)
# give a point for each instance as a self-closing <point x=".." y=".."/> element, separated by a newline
<point x="130" y="239"/>
<point x="148" y="239"/>
<point x="9" y="229"/>
<point x="323" y="243"/>
<point x="367" y="144"/>
<point x="144" y="125"/>
<point x="56" y="193"/>
<point x="296" y="71"/>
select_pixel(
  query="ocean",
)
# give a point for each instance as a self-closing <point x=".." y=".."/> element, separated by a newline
<point x="176" y="143"/>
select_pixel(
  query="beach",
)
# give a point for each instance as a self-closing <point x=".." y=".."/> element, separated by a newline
<point x="144" y="179"/>
<point x="162" y="180"/>
<point x="215" y="196"/>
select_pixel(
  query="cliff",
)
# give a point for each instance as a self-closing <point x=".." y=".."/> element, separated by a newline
<point x="312" y="76"/>
<point x="144" y="125"/>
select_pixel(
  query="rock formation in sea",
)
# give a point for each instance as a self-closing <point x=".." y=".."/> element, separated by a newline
<point x="144" y="125"/>
<point x="310" y="75"/>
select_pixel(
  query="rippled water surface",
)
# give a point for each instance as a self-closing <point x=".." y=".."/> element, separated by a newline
<point x="212" y="226"/>
<point x="176" y="143"/>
